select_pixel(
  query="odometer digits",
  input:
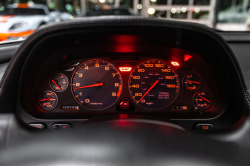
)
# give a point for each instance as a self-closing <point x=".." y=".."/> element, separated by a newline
<point x="97" y="84"/>
<point x="153" y="84"/>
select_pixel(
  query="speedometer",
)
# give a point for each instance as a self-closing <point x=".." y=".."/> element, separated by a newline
<point x="153" y="84"/>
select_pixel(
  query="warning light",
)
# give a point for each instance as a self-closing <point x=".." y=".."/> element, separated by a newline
<point x="187" y="57"/>
<point x="175" y="63"/>
<point x="125" y="69"/>
<point x="123" y="116"/>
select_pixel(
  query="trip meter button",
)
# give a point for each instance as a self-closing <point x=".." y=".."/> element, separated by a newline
<point x="153" y="84"/>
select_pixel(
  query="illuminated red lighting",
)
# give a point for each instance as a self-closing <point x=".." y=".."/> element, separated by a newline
<point x="187" y="57"/>
<point x="123" y="116"/>
<point x="120" y="91"/>
<point x="125" y="69"/>
<point x="175" y="64"/>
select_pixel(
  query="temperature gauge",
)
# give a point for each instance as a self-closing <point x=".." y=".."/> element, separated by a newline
<point x="191" y="82"/>
<point x="202" y="100"/>
<point x="48" y="100"/>
<point x="59" y="82"/>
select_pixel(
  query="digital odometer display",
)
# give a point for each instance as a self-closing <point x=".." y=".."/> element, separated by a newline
<point x="153" y="84"/>
<point x="97" y="84"/>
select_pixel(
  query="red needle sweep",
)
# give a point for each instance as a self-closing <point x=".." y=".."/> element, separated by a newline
<point x="193" y="82"/>
<point x="46" y="99"/>
<point x="204" y="98"/>
<point x="56" y="84"/>
<point x="148" y="91"/>
<point x="88" y="86"/>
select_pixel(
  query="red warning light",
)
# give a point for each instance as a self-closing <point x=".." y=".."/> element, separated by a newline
<point x="125" y="69"/>
<point x="123" y="116"/>
<point x="187" y="57"/>
<point x="175" y="63"/>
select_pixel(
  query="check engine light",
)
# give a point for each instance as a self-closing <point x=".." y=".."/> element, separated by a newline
<point x="175" y="63"/>
<point x="125" y="69"/>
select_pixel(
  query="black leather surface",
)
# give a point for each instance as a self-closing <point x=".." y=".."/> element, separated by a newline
<point x="121" y="144"/>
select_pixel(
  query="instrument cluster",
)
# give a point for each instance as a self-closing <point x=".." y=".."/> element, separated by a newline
<point x="103" y="85"/>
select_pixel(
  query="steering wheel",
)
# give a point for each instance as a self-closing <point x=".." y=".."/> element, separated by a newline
<point x="121" y="142"/>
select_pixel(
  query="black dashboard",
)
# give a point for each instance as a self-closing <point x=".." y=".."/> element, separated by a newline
<point x="183" y="75"/>
<point x="175" y="83"/>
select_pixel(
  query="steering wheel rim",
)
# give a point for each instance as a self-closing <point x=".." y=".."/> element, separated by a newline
<point x="121" y="142"/>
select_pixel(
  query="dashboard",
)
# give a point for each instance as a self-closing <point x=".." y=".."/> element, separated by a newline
<point x="173" y="83"/>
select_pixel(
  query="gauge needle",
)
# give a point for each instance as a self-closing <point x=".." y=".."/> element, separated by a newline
<point x="47" y="99"/>
<point x="148" y="91"/>
<point x="88" y="86"/>
<point x="193" y="82"/>
<point x="204" y="98"/>
<point x="56" y="84"/>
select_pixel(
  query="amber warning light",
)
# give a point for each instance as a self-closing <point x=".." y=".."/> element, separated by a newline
<point x="125" y="69"/>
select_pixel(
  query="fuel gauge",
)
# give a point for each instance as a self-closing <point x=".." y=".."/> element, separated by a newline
<point x="48" y="100"/>
<point x="191" y="82"/>
<point x="59" y="82"/>
<point x="202" y="100"/>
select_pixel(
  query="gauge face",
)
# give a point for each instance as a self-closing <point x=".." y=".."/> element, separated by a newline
<point x="202" y="100"/>
<point x="191" y="82"/>
<point x="59" y="82"/>
<point x="153" y="84"/>
<point x="48" y="100"/>
<point x="97" y="84"/>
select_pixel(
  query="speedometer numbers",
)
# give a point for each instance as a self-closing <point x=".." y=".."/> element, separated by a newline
<point x="97" y="84"/>
<point x="153" y="84"/>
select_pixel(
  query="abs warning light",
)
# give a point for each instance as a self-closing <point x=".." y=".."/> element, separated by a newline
<point x="125" y="69"/>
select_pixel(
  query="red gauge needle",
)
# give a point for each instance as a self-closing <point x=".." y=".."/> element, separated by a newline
<point x="148" y="90"/>
<point x="88" y="86"/>
<point x="56" y="84"/>
<point x="204" y="98"/>
<point x="193" y="82"/>
<point x="47" y="99"/>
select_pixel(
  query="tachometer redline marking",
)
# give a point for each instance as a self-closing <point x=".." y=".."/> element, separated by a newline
<point x="156" y="82"/>
<point x="88" y="86"/>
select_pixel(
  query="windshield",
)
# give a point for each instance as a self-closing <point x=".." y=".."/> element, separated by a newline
<point x="20" y="18"/>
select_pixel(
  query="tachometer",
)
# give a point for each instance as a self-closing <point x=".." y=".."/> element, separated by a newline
<point x="97" y="84"/>
<point x="153" y="84"/>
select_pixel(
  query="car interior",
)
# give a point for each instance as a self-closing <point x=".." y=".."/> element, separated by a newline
<point x="120" y="90"/>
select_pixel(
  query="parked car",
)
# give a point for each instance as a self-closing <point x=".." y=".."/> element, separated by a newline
<point x="19" y="20"/>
